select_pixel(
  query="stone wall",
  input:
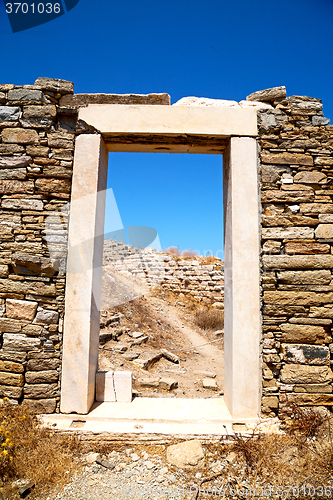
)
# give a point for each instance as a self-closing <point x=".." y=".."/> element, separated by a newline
<point x="296" y="151"/>
<point x="192" y="276"/>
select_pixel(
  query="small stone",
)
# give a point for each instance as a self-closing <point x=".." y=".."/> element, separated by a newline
<point x="268" y="94"/>
<point x="186" y="455"/>
<point x="90" y="458"/>
<point x="149" y="465"/>
<point x="104" y="463"/>
<point x="209" y="383"/>
<point x="135" y="335"/>
<point x="135" y="457"/>
<point x="148" y="382"/>
<point x="170" y="356"/>
<point x="168" y="384"/>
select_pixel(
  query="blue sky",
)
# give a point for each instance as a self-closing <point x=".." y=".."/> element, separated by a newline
<point x="215" y="49"/>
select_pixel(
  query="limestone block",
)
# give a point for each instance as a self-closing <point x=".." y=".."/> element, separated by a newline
<point x="9" y="113"/>
<point x="11" y="366"/>
<point x="270" y="401"/>
<point x="324" y="231"/>
<point x="270" y="219"/>
<point x="10" y="325"/>
<point x="306" y="248"/>
<point x="46" y="316"/>
<point x="48" y="111"/>
<point x="308" y="399"/>
<point x="316" y="208"/>
<point x="276" y="196"/>
<point x="275" y="233"/>
<point x="268" y="94"/>
<point x="15" y="161"/>
<point x="305" y="374"/>
<point x="31" y="287"/>
<point x="7" y="378"/>
<point x="205" y="101"/>
<point x="40" y="391"/>
<point x="55" y="85"/>
<point x="85" y="99"/>
<point x="297" y="261"/>
<point x="25" y="96"/>
<point x="43" y="364"/>
<point x="306" y="354"/>
<point x="22" y="204"/>
<point x="312" y="334"/>
<point x="313" y="388"/>
<point x="13" y="173"/>
<point x="32" y="330"/>
<point x="17" y="342"/>
<point x="286" y="158"/>
<point x="324" y="160"/>
<point x="12" y="356"/>
<point x="21" y="309"/>
<point x="4" y="271"/>
<point x="13" y="186"/>
<point x="53" y="186"/>
<point x="209" y="383"/>
<point x="19" y="136"/>
<point x="186" y="455"/>
<point x="40" y="406"/>
<point x="310" y="177"/>
<point x="298" y="298"/>
<point x="321" y="312"/>
<point x="320" y="277"/>
<point x="41" y="377"/>
<point x="10" y="391"/>
<point x="40" y="123"/>
<point x="8" y="149"/>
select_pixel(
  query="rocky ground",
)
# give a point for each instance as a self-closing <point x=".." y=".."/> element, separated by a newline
<point x="156" y="338"/>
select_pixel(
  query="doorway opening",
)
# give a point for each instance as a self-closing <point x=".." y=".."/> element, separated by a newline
<point x="162" y="286"/>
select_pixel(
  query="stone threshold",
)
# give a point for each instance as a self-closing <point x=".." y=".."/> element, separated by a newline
<point x="158" y="416"/>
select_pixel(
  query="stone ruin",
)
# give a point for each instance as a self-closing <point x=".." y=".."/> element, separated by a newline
<point x="41" y="129"/>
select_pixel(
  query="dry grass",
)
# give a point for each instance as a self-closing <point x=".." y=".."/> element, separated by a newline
<point x="31" y="452"/>
<point x="209" y="319"/>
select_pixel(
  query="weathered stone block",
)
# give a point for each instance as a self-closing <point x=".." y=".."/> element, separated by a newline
<point x="26" y="96"/>
<point x="47" y="316"/>
<point x="7" y="378"/>
<point x="85" y="99"/>
<point x="306" y="248"/>
<point x="27" y="264"/>
<point x="324" y="160"/>
<point x="43" y="364"/>
<point x="32" y="330"/>
<point x="310" y="177"/>
<point x="19" y="136"/>
<point x="297" y="261"/>
<point x="270" y="401"/>
<point x="286" y="158"/>
<point x="40" y="391"/>
<point x="40" y="406"/>
<point x="311" y="334"/>
<point x="306" y="354"/>
<point x="10" y="325"/>
<point x="48" y="111"/>
<point x="271" y="246"/>
<point x="321" y="312"/>
<point x="22" y="204"/>
<point x="324" y="231"/>
<point x="13" y="173"/>
<point x="12" y="186"/>
<point x="313" y="388"/>
<point x="276" y="233"/>
<point x="15" y="161"/>
<point x="38" y="150"/>
<point x="12" y="356"/>
<point x="320" y="277"/>
<point x="316" y="208"/>
<point x="10" y="391"/>
<point x="53" y="186"/>
<point x="4" y="271"/>
<point x="21" y="309"/>
<point x="41" y="377"/>
<point x="11" y="366"/>
<point x="18" y="342"/>
<point x="9" y="113"/>
<point x="40" y="123"/>
<point x="24" y="287"/>
<point x="298" y="298"/>
<point x="308" y="399"/>
<point x="286" y="196"/>
<point x="55" y="85"/>
<point x="305" y="374"/>
<point x="268" y="94"/>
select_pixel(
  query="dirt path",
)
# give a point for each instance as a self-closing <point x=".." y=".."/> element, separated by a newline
<point x="166" y="325"/>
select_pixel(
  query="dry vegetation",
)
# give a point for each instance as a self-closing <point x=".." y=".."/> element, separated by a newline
<point x="32" y="453"/>
<point x="209" y="318"/>
<point x="188" y="254"/>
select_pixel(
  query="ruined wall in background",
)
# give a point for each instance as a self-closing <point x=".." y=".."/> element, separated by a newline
<point x="194" y="277"/>
<point x="296" y="152"/>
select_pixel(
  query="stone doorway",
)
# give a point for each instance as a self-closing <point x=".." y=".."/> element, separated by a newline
<point x="144" y="128"/>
